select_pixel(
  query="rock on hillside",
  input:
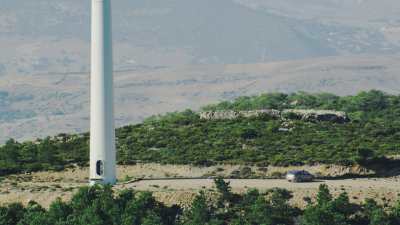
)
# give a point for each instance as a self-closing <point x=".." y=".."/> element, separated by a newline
<point x="310" y="115"/>
<point x="231" y="115"/>
<point x="316" y="115"/>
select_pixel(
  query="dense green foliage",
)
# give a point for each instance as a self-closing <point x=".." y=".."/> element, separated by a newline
<point x="48" y="154"/>
<point x="182" y="138"/>
<point x="100" y="206"/>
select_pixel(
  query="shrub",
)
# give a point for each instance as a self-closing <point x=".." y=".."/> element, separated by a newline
<point x="99" y="205"/>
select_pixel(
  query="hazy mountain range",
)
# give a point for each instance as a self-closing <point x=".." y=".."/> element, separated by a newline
<point x="174" y="54"/>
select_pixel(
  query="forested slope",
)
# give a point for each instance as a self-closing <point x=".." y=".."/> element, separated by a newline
<point x="184" y="138"/>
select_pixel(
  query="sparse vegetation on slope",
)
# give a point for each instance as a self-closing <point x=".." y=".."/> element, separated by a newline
<point x="185" y="138"/>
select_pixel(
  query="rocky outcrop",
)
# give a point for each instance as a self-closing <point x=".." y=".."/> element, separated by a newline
<point x="289" y="114"/>
<point x="231" y="115"/>
<point x="316" y="115"/>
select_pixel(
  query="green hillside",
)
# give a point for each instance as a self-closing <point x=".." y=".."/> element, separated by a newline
<point x="183" y="138"/>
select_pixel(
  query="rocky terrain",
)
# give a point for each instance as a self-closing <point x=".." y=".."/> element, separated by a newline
<point x="231" y="115"/>
<point x="300" y="114"/>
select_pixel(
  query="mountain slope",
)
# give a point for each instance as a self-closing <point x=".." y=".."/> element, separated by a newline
<point x="41" y="105"/>
<point x="364" y="13"/>
<point x="53" y="36"/>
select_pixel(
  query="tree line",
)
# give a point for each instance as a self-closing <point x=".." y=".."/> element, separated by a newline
<point x="99" y="205"/>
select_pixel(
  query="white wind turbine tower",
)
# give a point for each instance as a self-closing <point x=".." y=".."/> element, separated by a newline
<point x="102" y="133"/>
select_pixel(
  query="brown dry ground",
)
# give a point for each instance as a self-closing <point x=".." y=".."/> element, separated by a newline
<point x="45" y="187"/>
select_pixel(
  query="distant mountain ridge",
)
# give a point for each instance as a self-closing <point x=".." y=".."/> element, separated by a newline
<point x="177" y="54"/>
<point x="53" y="35"/>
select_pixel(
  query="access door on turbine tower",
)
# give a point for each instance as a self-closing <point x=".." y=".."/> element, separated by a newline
<point x="100" y="168"/>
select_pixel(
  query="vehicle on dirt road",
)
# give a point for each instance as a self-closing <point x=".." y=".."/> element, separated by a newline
<point x="298" y="176"/>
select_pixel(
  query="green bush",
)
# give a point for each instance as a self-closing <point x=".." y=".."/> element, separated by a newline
<point x="101" y="206"/>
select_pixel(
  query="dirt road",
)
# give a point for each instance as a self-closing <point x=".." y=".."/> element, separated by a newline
<point x="45" y="187"/>
<point x="240" y="185"/>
